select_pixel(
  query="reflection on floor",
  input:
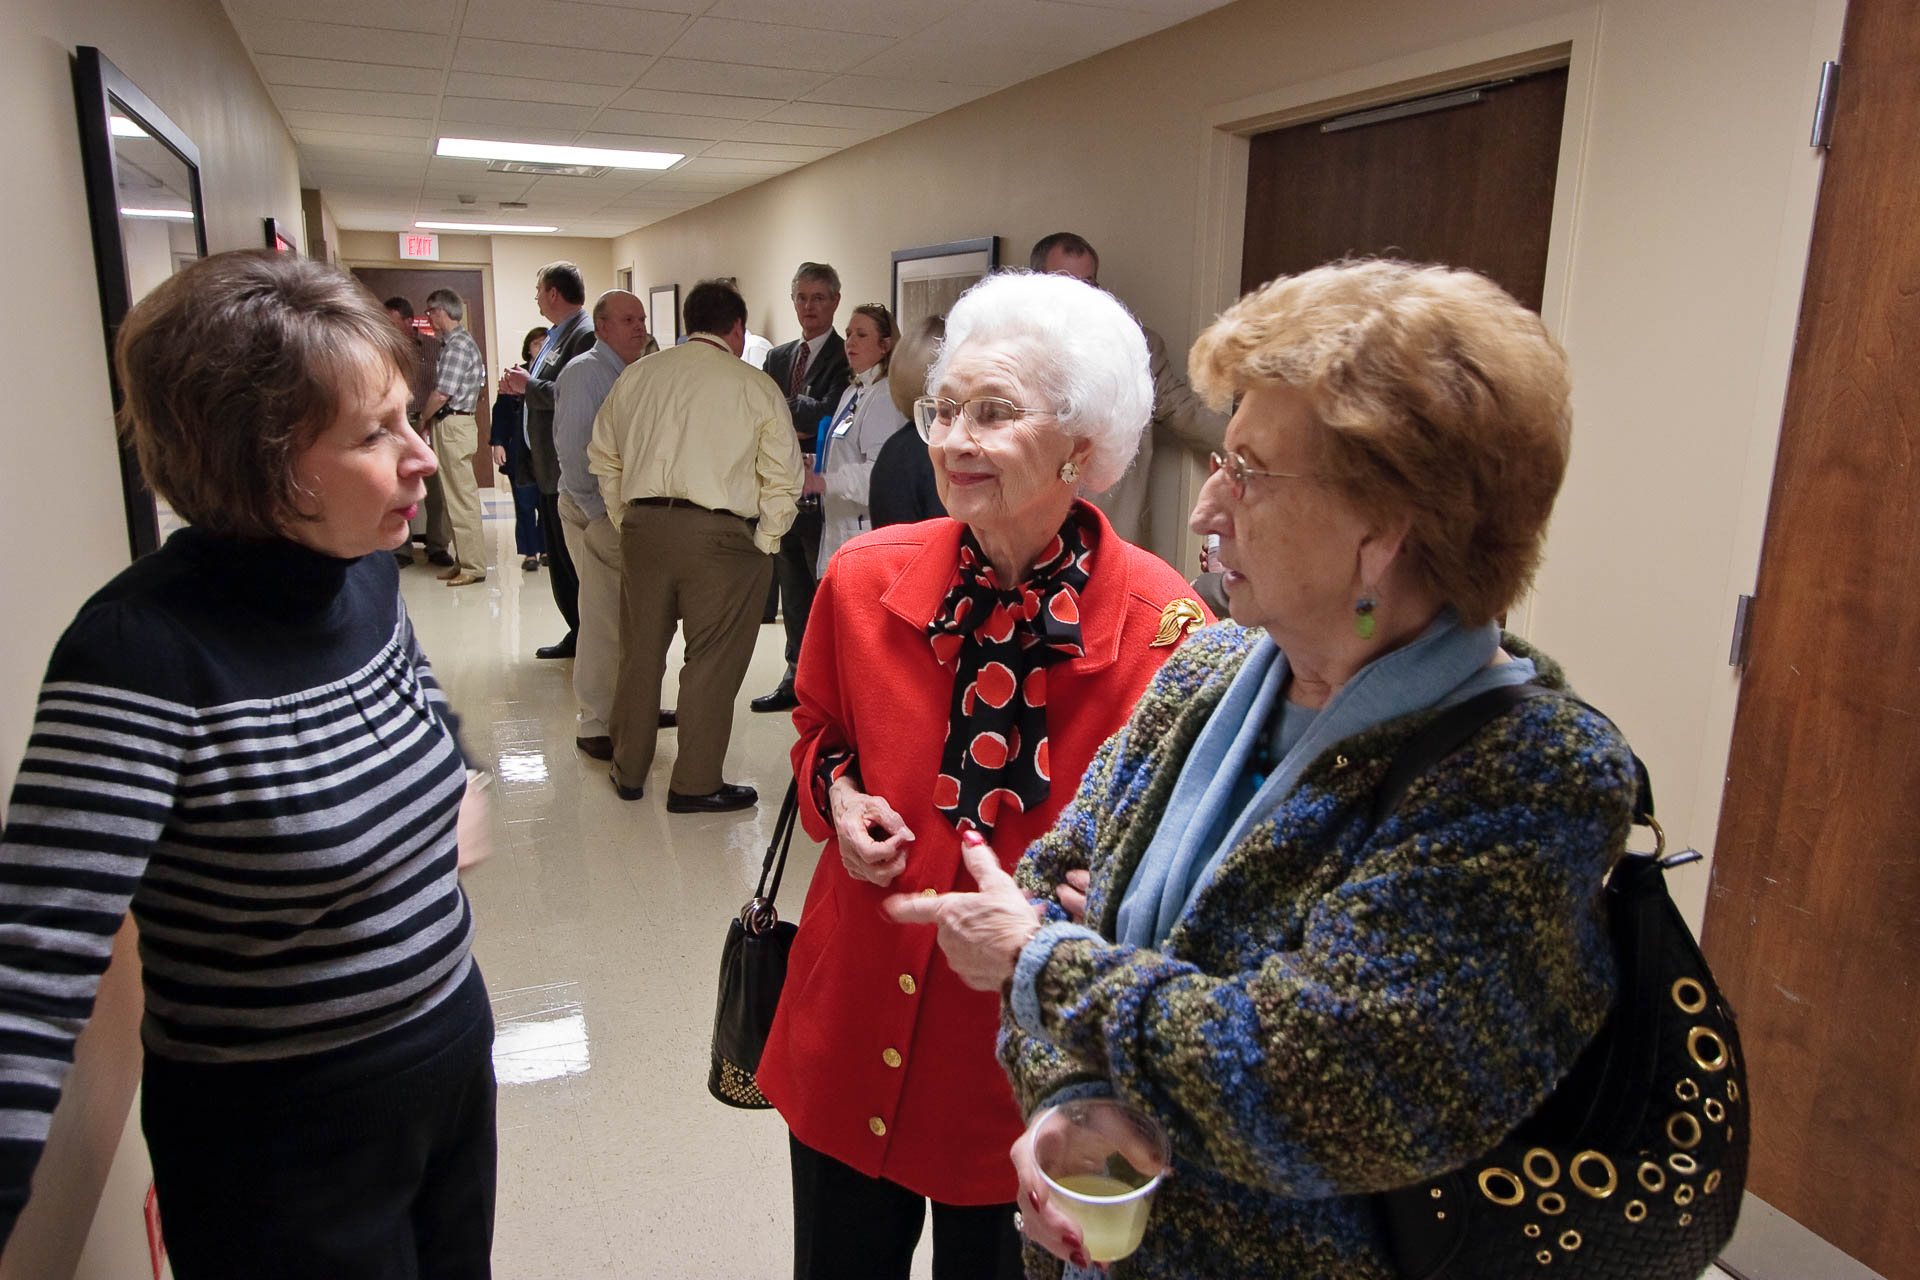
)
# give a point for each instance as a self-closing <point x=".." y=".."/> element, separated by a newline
<point x="600" y="925"/>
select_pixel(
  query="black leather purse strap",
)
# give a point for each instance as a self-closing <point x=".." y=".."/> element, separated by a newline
<point x="774" y="865"/>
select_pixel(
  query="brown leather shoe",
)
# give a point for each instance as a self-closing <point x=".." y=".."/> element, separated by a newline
<point x="450" y="573"/>
<point x="466" y="579"/>
<point x="600" y="748"/>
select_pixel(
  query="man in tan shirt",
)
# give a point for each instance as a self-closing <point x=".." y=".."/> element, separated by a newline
<point x="696" y="457"/>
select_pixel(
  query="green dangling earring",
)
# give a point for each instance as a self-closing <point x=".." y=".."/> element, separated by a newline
<point x="1363" y="616"/>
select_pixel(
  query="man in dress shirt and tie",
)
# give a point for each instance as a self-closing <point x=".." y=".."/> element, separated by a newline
<point x="812" y="372"/>
<point x="593" y="542"/>
<point x="696" y="457"/>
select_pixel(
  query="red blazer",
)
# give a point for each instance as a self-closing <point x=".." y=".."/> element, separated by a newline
<point x="880" y="1056"/>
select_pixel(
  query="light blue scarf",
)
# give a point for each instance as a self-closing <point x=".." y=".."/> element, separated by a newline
<point x="1446" y="664"/>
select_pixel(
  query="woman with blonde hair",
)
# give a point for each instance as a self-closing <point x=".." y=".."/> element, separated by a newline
<point x="862" y="423"/>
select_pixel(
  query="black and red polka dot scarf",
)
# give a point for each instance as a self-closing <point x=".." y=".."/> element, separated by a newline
<point x="999" y="644"/>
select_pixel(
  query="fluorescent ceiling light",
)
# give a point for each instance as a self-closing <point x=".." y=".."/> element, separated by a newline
<point x="486" y="226"/>
<point x="172" y="215"/>
<point x="121" y="127"/>
<point x="540" y="153"/>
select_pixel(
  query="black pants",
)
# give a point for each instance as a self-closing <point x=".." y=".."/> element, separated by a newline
<point x="847" y="1226"/>
<point x="390" y="1180"/>
<point x="793" y="573"/>
<point x="560" y="571"/>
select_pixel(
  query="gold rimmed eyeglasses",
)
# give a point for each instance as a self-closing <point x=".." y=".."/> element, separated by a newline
<point x="1238" y="472"/>
<point x="934" y="416"/>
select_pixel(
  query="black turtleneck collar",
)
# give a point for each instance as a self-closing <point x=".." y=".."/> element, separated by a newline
<point x="277" y="576"/>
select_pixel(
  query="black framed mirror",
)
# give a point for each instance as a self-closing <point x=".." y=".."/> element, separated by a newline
<point x="148" y="220"/>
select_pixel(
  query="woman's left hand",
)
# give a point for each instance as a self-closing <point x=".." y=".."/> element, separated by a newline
<point x="982" y="933"/>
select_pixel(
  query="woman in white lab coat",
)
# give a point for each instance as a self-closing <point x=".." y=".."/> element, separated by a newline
<point x="862" y="422"/>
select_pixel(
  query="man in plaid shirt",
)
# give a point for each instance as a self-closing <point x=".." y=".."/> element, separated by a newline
<point x="457" y="383"/>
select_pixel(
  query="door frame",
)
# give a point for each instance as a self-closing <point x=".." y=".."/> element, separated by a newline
<point x="1561" y="40"/>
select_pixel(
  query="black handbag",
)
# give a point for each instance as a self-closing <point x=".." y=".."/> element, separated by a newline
<point x="753" y="968"/>
<point x="1634" y="1166"/>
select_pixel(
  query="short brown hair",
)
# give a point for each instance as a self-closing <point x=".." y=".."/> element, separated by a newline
<point x="232" y="367"/>
<point x="1440" y="397"/>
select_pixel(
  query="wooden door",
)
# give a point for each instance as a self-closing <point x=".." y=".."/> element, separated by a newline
<point x="1813" y="919"/>
<point x="1470" y="186"/>
<point x="414" y="284"/>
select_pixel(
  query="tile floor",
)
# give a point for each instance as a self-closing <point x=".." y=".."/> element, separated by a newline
<point x="599" y="931"/>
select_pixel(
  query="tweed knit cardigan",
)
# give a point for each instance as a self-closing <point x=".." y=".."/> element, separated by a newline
<point x="1340" y="1011"/>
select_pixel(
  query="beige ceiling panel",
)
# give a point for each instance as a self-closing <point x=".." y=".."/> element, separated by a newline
<point x="644" y="142"/>
<point x="868" y="120"/>
<point x="761" y="168"/>
<point x="767" y="151"/>
<point x="1007" y="41"/>
<point x="697" y="183"/>
<point x="360" y="142"/>
<point x="344" y="43"/>
<point x="474" y="84"/>
<point x="897" y="95"/>
<point x="871" y="17"/>
<point x="434" y="16"/>
<point x="729" y="78"/>
<point x="804" y="135"/>
<point x="763" y="44"/>
<point x="322" y="73"/>
<point x="555" y="117"/>
<point x="546" y="62"/>
<point x="387" y="126"/>
<point x="664" y="125"/>
<point x="356" y="102"/>
<point x="578" y="26"/>
<point x="696" y="104"/>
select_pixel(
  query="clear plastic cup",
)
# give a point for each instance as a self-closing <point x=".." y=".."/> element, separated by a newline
<point x="1102" y="1162"/>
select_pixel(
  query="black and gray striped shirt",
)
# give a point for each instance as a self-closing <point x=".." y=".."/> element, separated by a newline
<point x="243" y="743"/>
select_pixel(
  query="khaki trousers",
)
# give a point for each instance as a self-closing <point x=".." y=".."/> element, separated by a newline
<point x="455" y="437"/>
<point x="595" y="548"/>
<point x="701" y="569"/>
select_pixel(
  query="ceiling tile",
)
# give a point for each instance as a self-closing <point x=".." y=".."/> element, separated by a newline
<point x="696" y="104"/>
<point x="872" y="17"/>
<point x="360" y="142"/>
<point x="763" y="44"/>
<point x="474" y="84"/>
<point x="806" y="135"/>
<point x="644" y="142"/>
<point x="344" y="43"/>
<point x="661" y="124"/>
<point x="729" y="78"/>
<point x="355" y="102"/>
<point x="322" y="73"/>
<point x="767" y="151"/>
<point x="695" y="183"/>
<point x="337" y="123"/>
<point x="553" y="117"/>
<point x="434" y="16"/>
<point x="869" y="120"/>
<point x="546" y="62"/>
<point x="763" y="168"/>
<point x="899" y="95"/>
<point x="576" y="26"/>
<point x="1007" y="41"/>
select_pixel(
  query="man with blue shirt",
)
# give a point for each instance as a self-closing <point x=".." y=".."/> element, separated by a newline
<point x="593" y="543"/>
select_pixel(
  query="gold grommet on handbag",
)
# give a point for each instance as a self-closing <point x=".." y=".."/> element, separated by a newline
<point x="1683" y="1194"/>
<point x="1600" y="1190"/>
<point x="1682" y="1163"/>
<point x="1531" y="1231"/>
<point x="1733" y="1091"/>
<point x="1686" y="1219"/>
<point x="1569" y="1240"/>
<point x="1706" y="1048"/>
<point x="1652" y="1176"/>
<point x="1517" y="1190"/>
<point x="1543" y="1257"/>
<point x="1712" y="1184"/>
<point x="1551" y="1203"/>
<point x="1687" y="1090"/>
<point x="1689" y="996"/>
<point x="1636" y="1211"/>
<point x="1683" y="1130"/>
<point x="1552" y="1161"/>
<point x="1715" y="1112"/>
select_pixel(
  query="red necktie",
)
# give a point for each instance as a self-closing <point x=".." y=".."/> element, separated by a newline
<point x="799" y="381"/>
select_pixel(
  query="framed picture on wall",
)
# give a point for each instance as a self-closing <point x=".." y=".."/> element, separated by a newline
<point x="663" y="314"/>
<point x="928" y="280"/>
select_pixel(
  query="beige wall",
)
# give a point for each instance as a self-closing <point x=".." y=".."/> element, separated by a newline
<point x="60" y="508"/>
<point x="1680" y="240"/>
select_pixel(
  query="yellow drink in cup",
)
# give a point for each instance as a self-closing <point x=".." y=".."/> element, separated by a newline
<point x="1102" y="1161"/>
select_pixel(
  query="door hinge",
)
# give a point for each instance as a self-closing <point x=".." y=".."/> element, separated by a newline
<point x="1823" y="107"/>
<point x="1742" y="632"/>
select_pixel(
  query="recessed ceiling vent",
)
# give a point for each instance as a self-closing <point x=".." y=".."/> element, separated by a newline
<point x="547" y="170"/>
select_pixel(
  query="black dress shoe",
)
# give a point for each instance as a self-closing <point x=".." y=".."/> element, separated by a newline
<point x="442" y="558"/>
<point x="600" y="748"/>
<point x="629" y="793"/>
<point x="562" y="650"/>
<point x="669" y="720"/>
<point x="780" y="699"/>
<point x="729" y="797"/>
<point x="403" y="558"/>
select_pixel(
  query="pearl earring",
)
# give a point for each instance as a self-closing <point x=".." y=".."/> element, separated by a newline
<point x="1069" y="471"/>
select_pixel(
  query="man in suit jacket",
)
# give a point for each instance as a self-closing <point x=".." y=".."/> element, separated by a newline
<point x="811" y="372"/>
<point x="561" y="294"/>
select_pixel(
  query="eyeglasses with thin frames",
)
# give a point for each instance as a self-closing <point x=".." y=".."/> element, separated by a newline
<point x="1238" y="472"/>
<point x="934" y="416"/>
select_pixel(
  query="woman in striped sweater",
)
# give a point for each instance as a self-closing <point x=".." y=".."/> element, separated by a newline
<point x="239" y="740"/>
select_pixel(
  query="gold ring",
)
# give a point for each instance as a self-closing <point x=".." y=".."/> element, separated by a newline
<point x="1712" y="1184"/>
<point x="1689" y="995"/>
<point x="1716" y="1060"/>
<point x="1552" y="1203"/>
<point x="1683" y="1194"/>
<point x="1543" y="1257"/>
<point x="1599" y="1191"/>
<point x="1715" y="1111"/>
<point x="1683" y="1130"/>
<point x="1569" y="1240"/>
<point x="1531" y="1231"/>
<point x="1652" y="1176"/>
<point x="1733" y="1091"/>
<point x="1682" y="1163"/>
<point x="1636" y="1211"/>
<point x="1687" y="1090"/>
<point x="1503" y="1199"/>
<point x="1553" y="1167"/>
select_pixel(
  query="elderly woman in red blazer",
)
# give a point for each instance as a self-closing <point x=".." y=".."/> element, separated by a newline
<point x="958" y="674"/>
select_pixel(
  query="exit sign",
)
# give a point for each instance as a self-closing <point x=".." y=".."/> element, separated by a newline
<point x="420" y="244"/>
